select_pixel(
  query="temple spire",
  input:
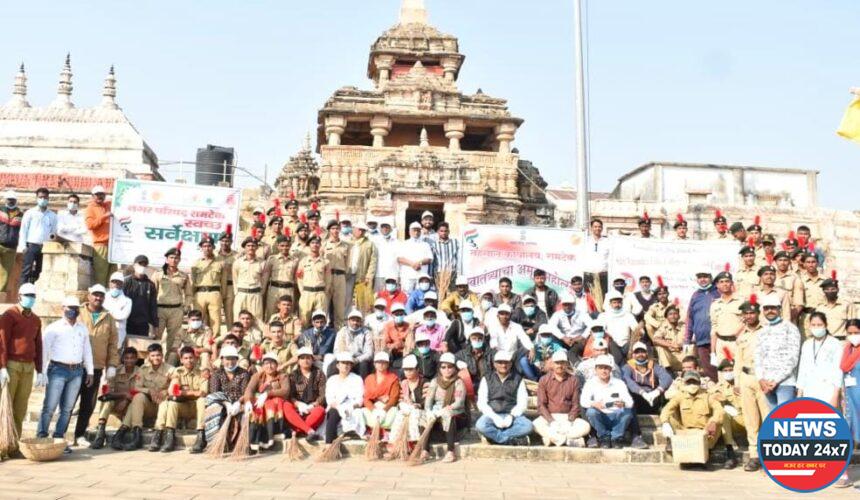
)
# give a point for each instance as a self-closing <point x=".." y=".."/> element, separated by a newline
<point x="413" y="12"/>
<point x="423" y="140"/>
<point x="306" y="145"/>
<point x="19" y="91"/>
<point x="109" y="91"/>
<point x="64" y="89"/>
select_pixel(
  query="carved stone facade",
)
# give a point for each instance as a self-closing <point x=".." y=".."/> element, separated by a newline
<point x="415" y="142"/>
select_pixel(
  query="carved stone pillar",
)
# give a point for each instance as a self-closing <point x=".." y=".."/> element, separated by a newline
<point x="504" y="136"/>
<point x="384" y="65"/>
<point x="455" y="129"/>
<point x="449" y="66"/>
<point x="380" y="126"/>
<point x="335" y="126"/>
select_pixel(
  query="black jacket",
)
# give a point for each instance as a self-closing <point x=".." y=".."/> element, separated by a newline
<point x="144" y="305"/>
<point x="551" y="298"/>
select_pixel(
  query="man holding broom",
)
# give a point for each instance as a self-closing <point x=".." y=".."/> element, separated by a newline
<point x="21" y="352"/>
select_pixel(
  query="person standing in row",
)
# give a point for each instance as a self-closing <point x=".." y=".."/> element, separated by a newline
<point x="37" y="227"/>
<point x="174" y="295"/>
<point x="414" y="257"/>
<point x="21" y="351"/>
<point x="118" y="305"/>
<point x="227" y="256"/>
<point x="777" y="355"/>
<point x="362" y="270"/>
<point x="446" y="260"/>
<point x="70" y="222"/>
<point x="249" y="274"/>
<point x="10" y="230"/>
<point x="336" y="252"/>
<point x="282" y="272"/>
<point x="314" y="280"/>
<point x="210" y="282"/>
<point x="754" y="405"/>
<point x="97" y="218"/>
<point x="144" y="305"/>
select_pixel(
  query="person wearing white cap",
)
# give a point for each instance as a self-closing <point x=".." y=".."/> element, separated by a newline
<point x="21" y="352"/>
<point x="70" y="222"/>
<point x="618" y="322"/>
<point x="547" y="343"/>
<point x="266" y="392"/>
<point x="586" y="367"/>
<point x="478" y="358"/>
<point x="432" y="329"/>
<point x="447" y="262"/>
<point x="10" y="231"/>
<point x="428" y="234"/>
<point x="457" y="334"/>
<point x="505" y="335"/>
<point x="38" y="226"/>
<point x="381" y="394"/>
<point x="413" y="387"/>
<point x="545" y="297"/>
<point x="227" y="386"/>
<point x="777" y="354"/>
<point x="647" y="382"/>
<point x="502" y="400"/>
<point x="118" y="305"/>
<point x="375" y="322"/>
<point x="461" y="293"/>
<point x="104" y="342"/>
<point x="529" y="316"/>
<point x="430" y="302"/>
<point x="571" y="321"/>
<point x="416" y="297"/>
<point x="414" y="256"/>
<point x="395" y="333"/>
<point x="446" y="401"/>
<point x="609" y="407"/>
<point x="68" y="359"/>
<point x="319" y="337"/>
<point x="560" y="422"/>
<point x="98" y="217"/>
<point x="344" y="396"/>
<point x="387" y="248"/>
<point x="304" y="407"/>
<point x="361" y="269"/>
<point x="357" y="340"/>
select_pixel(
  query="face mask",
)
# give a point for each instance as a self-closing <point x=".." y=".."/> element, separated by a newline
<point x="72" y="206"/>
<point x="138" y="269"/>
<point x="346" y="231"/>
<point x="775" y="320"/>
<point x="27" y="301"/>
<point x="232" y="368"/>
<point x="430" y="323"/>
<point x="42" y="202"/>
<point x="854" y="339"/>
<point x="195" y="325"/>
<point x="424" y="286"/>
<point x="818" y="332"/>
<point x="467" y="316"/>
<point x="115" y="292"/>
<point x="620" y="288"/>
<point x="424" y="350"/>
<point x="703" y="287"/>
<point x="616" y="309"/>
<point x="479" y="344"/>
<point x="390" y="287"/>
<point x="646" y="289"/>
<point x="642" y="362"/>
<point x="355" y="330"/>
<point x="486" y="304"/>
<point x="691" y="388"/>
<point x="71" y="313"/>
<point x="317" y="330"/>
<point x="380" y="314"/>
<point x="831" y="296"/>
<point x="599" y="335"/>
<point x="545" y="340"/>
<point x="728" y="376"/>
<point x="529" y="310"/>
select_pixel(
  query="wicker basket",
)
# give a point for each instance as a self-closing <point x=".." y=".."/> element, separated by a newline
<point x="42" y="449"/>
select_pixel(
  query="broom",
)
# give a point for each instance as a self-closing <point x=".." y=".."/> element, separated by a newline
<point x="400" y="448"/>
<point x="243" y="441"/>
<point x="219" y="444"/>
<point x="333" y="452"/>
<point x="294" y="451"/>
<point x="415" y="456"/>
<point x="8" y="432"/>
<point x="371" y="451"/>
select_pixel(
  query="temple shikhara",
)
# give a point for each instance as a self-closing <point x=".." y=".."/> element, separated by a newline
<point x="415" y="142"/>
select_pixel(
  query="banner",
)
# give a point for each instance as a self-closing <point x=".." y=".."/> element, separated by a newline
<point x="493" y="252"/>
<point x="676" y="261"/>
<point x="152" y="217"/>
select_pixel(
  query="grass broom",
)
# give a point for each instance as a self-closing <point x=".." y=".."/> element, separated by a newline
<point x="415" y="456"/>
<point x="218" y="445"/>
<point x="243" y="441"/>
<point x="8" y="432"/>
<point x="372" y="451"/>
<point x="400" y="448"/>
<point x="294" y="451"/>
<point x="333" y="451"/>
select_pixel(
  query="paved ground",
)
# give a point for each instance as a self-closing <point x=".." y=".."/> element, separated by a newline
<point x="142" y="474"/>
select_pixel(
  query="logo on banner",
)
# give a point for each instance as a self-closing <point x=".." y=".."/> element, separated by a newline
<point x="805" y="445"/>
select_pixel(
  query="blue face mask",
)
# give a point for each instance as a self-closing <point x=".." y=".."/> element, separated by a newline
<point x="71" y="314"/>
<point x="399" y="319"/>
<point x="775" y="321"/>
<point x="391" y="287"/>
<point x="346" y="231"/>
<point x="27" y="301"/>
<point x="424" y="286"/>
<point x="42" y="202"/>
<point x="704" y="287"/>
<point x="115" y="292"/>
<point x="467" y="316"/>
<point x="544" y="340"/>
<point x="424" y="350"/>
<point x="477" y="344"/>
<point x="232" y="369"/>
<point x="642" y="362"/>
<point x="430" y="323"/>
<point x="529" y="310"/>
<point x="380" y="314"/>
<point x="599" y="335"/>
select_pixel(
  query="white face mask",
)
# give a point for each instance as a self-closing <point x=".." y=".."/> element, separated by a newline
<point x="728" y="376"/>
<point x="138" y="269"/>
<point x="854" y="339"/>
<point x="818" y="332"/>
<point x="72" y="206"/>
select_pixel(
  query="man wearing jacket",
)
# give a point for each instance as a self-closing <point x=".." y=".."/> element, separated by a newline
<point x="10" y="230"/>
<point x="699" y="322"/>
<point x="546" y="298"/>
<point x="144" y="305"/>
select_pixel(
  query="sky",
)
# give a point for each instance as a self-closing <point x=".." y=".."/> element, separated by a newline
<point x="761" y="83"/>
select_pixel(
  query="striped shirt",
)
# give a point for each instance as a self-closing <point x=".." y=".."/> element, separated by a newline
<point x="446" y="255"/>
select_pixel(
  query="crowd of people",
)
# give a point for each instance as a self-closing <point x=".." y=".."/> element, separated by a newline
<point x="326" y="329"/>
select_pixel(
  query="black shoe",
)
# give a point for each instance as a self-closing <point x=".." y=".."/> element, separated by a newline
<point x="520" y="441"/>
<point x="752" y="465"/>
<point x="638" y="443"/>
<point x="731" y="460"/>
<point x="155" y="444"/>
<point x="116" y="441"/>
<point x="312" y="437"/>
<point x="136" y="442"/>
<point x="605" y="444"/>
<point x="592" y="442"/>
<point x="99" y="442"/>
<point x="617" y="444"/>
<point x="169" y="441"/>
<point x="200" y="444"/>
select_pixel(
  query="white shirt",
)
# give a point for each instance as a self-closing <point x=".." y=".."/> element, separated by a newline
<point x="340" y="391"/>
<point x="386" y="255"/>
<point x="596" y="391"/>
<point x="519" y="408"/>
<point x="586" y="368"/>
<point x="69" y="344"/>
<point x="120" y="309"/>
<point x="572" y="326"/>
<point x="618" y="325"/>
<point x="506" y="339"/>
<point x="540" y="296"/>
<point x="414" y="250"/>
<point x="375" y="324"/>
<point x="72" y="227"/>
<point x="37" y="227"/>
<point x="596" y="254"/>
<point x="819" y="374"/>
<point x="631" y="303"/>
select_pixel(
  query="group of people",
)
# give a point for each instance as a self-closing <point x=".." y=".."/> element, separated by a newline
<point x="325" y="330"/>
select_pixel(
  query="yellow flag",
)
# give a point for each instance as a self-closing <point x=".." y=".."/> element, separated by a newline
<point x="850" y="126"/>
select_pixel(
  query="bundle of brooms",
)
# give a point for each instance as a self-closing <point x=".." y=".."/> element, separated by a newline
<point x="415" y="456"/>
<point x="333" y="452"/>
<point x="8" y="433"/>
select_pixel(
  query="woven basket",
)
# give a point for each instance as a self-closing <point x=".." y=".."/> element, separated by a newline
<point x="42" y="449"/>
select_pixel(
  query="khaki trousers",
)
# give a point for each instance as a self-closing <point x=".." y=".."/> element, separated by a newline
<point x="175" y="410"/>
<point x="101" y="266"/>
<point x="669" y="359"/>
<point x="169" y="329"/>
<point x="117" y="408"/>
<point x="229" y="299"/>
<point x="755" y="409"/>
<point x="310" y="302"/>
<point x="7" y="263"/>
<point x="20" y="386"/>
<point x="363" y="294"/>
<point x="210" y="303"/>
<point x="273" y="295"/>
<point x="338" y="297"/>
<point x="141" y="408"/>
<point x="252" y="302"/>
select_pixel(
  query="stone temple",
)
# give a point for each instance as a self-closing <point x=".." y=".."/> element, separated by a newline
<point x="415" y="142"/>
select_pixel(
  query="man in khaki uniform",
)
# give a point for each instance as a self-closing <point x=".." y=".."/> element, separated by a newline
<point x="275" y="230"/>
<point x="337" y="254"/>
<point x="300" y="247"/>
<point x="747" y="276"/>
<point x="186" y="398"/>
<point x="292" y="220"/>
<point x="361" y="270"/>
<point x="838" y="311"/>
<point x="754" y="406"/>
<point x="281" y="346"/>
<point x="210" y="281"/>
<point x="287" y="315"/>
<point x="669" y="339"/>
<point x="721" y="226"/>
<point x="282" y="276"/>
<point x="174" y="295"/>
<point x="116" y="395"/>
<point x="812" y="290"/>
<point x="314" y="279"/>
<point x="726" y="393"/>
<point x="258" y="232"/>
<point x="767" y="286"/>
<point x="789" y="282"/>
<point x="249" y="274"/>
<point x="227" y="256"/>
<point x="726" y="321"/>
<point x="199" y="337"/>
<point x="655" y="316"/>
<point x="151" y="386"/>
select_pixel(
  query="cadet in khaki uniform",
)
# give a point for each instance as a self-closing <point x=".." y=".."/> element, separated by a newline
<point x="174" y="295"/>
<point x="291" y="221"/>
<point x="258" y="233"/>
<point x="721" y="225"/>
<point x="668" y="340"/>
<point x="767" y="286"/>
<point x="282" y="347"/>
<point x="199" y="337"/>
<point x="282" y="276"/>
<point x="314" y="279"/>
<point x="275" y="230"/>
<point x="754" y="406"/>
<point x="726" y="321"/>
<point x="226" y="255"/>
<point x="116" y="395"/>
<point x="746" y="278"/>
<point x="361" y="269"/>
<point x="726" y="393"/>
<point x="286" y="314"/>
<point x="693" y="408"/>
<point x="838" y="311"/>
<point x="300" y="247"/>
<point x="754" y="233"/>
<point x="812" y="290"/>
<point x="151" y="387"/>
<point x="249" y="274"/>
<point x="209" y="279"/>
<point x="186" y="399"/>
<point x="336" y="252"/>
<point x="656" y="314"/>
<point x="789" y="282"/>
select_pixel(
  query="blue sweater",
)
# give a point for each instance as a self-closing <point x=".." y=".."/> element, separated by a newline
<point x="699" y="316"/>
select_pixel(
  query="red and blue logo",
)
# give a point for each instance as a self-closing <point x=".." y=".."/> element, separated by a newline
<point x="805" y="445"/>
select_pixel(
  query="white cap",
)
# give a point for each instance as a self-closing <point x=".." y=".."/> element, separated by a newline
<point x="97" y="288"/>
<point x="71" y="301"/>
<point x="117" y="276"/>
<point x="528" y="298"/>
<point x="415" y="225"/>
<point x="422" y="337"/>
<point x="604" y="360"/>
<point x="427" y="213"/>
<point x="431" y="295"/>
<point x="461" y="281"/>
<point x="466" y="304"/>
<point x="477" y="330"/>
<point x="410" y="362"/>
<point x="448" y="358"/>
<point x="598" y="323"/>
<point x="381" y="356"/>
<point x="429" y="310"/>
<point x="304" y="351"/>
<point x="98" y="188"/>
<point x="771" y="300"/>
<point x="360" y="225"/>
<point x="270" y="356"/>
<point x="391" y="278"/>
<point x="380" y="303"/>
<point x="504" y="308"/>
<point x="545" y="328"/>
<point x="355" y="313"/>
<point x="639" y="345"/>
<point x="10" y="194"/>
<point x="397" y="306"/>
<point x="319" y="312"/>
<point x="567" y="298"/>
<point x="228" y="351"/>
<point x="503" y="356"/>
<point x="344" y="357"/>
<point x="559" y="356"/>
<point x="27" y="289"/>
<point x="600" y="344"/>
<point x="424" y="276"/>
<point x="614" y="294"/>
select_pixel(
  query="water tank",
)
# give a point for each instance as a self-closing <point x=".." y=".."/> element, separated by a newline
<point x="211" y="165"/>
